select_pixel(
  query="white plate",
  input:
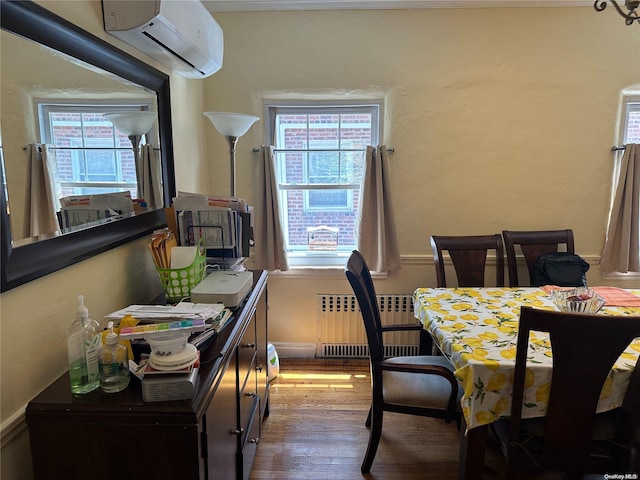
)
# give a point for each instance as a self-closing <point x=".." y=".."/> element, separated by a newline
<point x="185" y="358"/>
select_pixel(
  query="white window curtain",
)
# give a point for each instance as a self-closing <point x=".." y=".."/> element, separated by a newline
<point x="45" y="190"/>
<point x="270" y="250"/>
<point x="150" y="177"/>
<point x="622" y="246"/>
<point x="377" y="238"/>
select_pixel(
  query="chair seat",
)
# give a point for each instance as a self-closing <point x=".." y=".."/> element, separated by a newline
<point x="404" y="388"/>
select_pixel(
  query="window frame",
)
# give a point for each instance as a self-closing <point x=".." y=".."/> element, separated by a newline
<point x="297" y="256"/>
<point x="629" y="103"/>
<point x="308" y="207"/>
<point x="44" y="106"/>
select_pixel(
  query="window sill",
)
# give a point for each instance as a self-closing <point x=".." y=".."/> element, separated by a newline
<point x="336" y="259"/>
<point x="329" y="272"/>
<point x="621" y="276"/>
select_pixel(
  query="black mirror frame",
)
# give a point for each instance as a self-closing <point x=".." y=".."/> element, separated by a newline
<point x="34" y="260"/>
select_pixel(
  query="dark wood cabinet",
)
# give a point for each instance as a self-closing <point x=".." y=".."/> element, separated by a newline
<point x="212" y="436"/>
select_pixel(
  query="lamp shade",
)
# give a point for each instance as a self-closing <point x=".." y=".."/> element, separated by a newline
<point x="231" y="124"/>
<point x="132" y="123"/>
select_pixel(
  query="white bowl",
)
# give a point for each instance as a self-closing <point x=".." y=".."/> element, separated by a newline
<point x="577" y="300"/>
<point x="169" y="344"/>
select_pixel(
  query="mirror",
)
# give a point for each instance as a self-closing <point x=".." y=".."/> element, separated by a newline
<point x="26" y="260"/>
<point x="55" y="88"/>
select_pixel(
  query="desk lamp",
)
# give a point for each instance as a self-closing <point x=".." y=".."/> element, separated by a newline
<point x="134" y="125"/>
<point x="232" y="126"/>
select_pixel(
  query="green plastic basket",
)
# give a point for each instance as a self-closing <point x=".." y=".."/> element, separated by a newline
<point x="178" y="282"/>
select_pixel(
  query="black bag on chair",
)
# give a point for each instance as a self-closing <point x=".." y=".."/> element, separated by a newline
<point x="560" y="268"/>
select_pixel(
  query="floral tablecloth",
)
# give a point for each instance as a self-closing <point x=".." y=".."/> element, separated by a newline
<point x="477" y="329"/>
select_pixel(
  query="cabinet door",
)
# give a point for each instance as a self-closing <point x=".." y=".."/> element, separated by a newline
<point x="248" y="399"/>
<point x="261" y="343"/>
<point x="250" y="407"/>
<point x="79" y="449"/>
<point x="247" y="351"/>
<point x="222" y="429"/>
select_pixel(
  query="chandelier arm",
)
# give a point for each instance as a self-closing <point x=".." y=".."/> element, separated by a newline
<point x="629" y="18"/>
<point x="599" y="6"/>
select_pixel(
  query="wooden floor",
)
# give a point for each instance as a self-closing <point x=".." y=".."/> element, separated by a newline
<point x="316" y="431"/>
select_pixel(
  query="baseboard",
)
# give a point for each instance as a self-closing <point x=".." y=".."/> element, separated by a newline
<point x="12" y="427"/>
<point x="295" y="350"/>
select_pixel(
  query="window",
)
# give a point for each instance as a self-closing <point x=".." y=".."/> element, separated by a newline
<point x="631" y="129"/>
<point x="620" y="254"/>
<point x="320" y="150"/>
<point x="92" y="156"/>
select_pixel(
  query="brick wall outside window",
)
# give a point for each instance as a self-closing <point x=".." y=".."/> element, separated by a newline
<point x="633" y="127"/>
<point x="323" y="131"/>
<point x="88" y="159"/>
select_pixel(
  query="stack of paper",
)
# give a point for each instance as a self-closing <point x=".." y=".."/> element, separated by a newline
<point x="231" y="264"/>
<point x="161" y="313"/>
<point x="82" y="209"/>
<point x="215" y="315"/>
<point x="223" y="222"/>
<point x="234" y="203"/>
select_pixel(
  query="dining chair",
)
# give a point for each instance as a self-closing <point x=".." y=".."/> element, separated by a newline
<point x="533" y="244"/>
<point x="572" y="438"/>
<point x="469" y="257"/>
<point x="417" y="385"/>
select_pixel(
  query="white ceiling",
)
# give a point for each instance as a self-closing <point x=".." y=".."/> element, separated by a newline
<point x="265" y="5"/>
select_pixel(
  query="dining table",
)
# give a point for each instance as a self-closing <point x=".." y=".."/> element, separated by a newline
<point x="476" y="328"/>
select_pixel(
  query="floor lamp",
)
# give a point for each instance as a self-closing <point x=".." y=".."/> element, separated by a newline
<point x="134" y="125"/>
<point x="232" y="126"/>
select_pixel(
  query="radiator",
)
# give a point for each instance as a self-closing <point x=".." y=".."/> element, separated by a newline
<point x="341" y="330"/>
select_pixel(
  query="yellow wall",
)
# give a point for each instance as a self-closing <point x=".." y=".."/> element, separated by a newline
<point x="501" y="118"/>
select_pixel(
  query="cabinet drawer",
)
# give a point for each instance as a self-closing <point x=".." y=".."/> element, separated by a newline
<point x="248" y="401"/>
<point x="246" y="365"/>
<point x="250" y="441"/>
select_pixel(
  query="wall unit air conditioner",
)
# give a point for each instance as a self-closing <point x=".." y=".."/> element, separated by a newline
<point x="181" y="34"/>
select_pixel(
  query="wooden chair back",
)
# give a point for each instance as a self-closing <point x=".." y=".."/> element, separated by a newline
<point x="359" y="277"/>
<point x="533" y="244"/>
<point x="430" y="379"/>
<point x="469" y="257"/>
<point x="584" y="348"/>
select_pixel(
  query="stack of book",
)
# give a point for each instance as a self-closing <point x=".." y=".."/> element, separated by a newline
<point x="201" y="339"/>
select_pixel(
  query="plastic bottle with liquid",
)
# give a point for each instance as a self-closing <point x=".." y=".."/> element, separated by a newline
<point x="114" y="364"/>
<point x="83" y="348"/>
